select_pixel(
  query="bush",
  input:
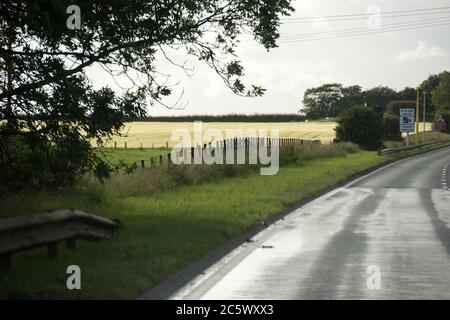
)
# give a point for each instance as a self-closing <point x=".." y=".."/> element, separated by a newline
<point x="360" y="125"/>
<point x="446" y="116"/>
<point x="392" y="128"/>
<point x="28" y="164"/>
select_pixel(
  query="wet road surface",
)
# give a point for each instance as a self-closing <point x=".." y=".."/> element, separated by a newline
<point x="383" y="236"/>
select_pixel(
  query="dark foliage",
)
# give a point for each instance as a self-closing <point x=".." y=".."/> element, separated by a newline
<point x="48" y="100"/>
<point x="360" y="125"/>
<point x="392" y="127"/>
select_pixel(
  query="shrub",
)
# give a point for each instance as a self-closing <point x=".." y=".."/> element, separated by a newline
<point x="360" y="125"/>
<point x="392" y="128"/>
<point x="29" y="164"/>
<point x="446" y="116"/>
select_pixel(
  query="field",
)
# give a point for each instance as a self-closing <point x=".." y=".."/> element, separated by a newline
<point x="156" y="134"/>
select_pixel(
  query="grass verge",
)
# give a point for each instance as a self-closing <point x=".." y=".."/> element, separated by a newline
<point x="165" y="231"/>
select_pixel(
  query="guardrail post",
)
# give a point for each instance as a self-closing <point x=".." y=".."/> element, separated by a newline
<point x="5" y="261"/>
<point x="71" y="243"/>
<point x="52" y="250"/>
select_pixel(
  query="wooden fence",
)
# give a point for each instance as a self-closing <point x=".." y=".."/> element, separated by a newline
<point x="234" y="144"/>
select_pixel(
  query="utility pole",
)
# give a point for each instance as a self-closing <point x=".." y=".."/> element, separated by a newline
<point x="417" y="116"/>
<point x="424" y="115"/>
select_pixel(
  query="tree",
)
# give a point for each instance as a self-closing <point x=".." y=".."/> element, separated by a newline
<point x="407" y="93"/>
<point x="379" y="97"/>
<point x="352" y="96"/>
<point x="360" y="125"/>
<point x="441" y="94"/>
<point x="428" y="86"/>
<point x="47" y="98"/>
<point x="329" y="100"/>
<point x="393" y="108"/>
<point x="323" y="101"/>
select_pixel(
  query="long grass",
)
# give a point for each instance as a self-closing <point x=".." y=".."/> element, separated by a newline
<point x="147" y="181"/>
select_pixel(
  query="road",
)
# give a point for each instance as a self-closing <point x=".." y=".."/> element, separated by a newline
<point x="383" y="236"/>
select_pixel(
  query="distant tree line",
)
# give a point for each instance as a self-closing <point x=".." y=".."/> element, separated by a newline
<point x="227" y="118"/>
<point x="332" y="99"/>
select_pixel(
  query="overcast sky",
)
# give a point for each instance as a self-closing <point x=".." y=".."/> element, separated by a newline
<point x="393" y="58"/>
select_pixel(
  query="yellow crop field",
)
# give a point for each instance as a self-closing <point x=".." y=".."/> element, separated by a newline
<point x="157" y="134"/>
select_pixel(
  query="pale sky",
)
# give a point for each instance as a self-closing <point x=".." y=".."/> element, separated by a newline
<point x="386" y="57"/>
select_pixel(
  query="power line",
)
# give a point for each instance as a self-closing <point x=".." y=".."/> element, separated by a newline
<point x="355" y="34"/>
<point x="368" y="32"/>
<point x="360" y="29"/>
<point x="365" y="14"/>
<point x="350" y="30"/>
<point x="365" y="18"/>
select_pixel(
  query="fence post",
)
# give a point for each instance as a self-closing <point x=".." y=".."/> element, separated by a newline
<point x="5" y="261"/>
<point x="115" y="144"/>
<point x="142" y="163"/>
<point x="169" y="159"/>
<point x="160" y="159"/>
<point x="167" y="145"/>
<point x="151" y="162"/>
<point x="125" y="144"/>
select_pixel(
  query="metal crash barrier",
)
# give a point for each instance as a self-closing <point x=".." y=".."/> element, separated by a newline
<point x="48" y="229"/>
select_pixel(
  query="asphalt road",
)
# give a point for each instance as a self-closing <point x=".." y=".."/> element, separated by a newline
<point x="383" y="236"/>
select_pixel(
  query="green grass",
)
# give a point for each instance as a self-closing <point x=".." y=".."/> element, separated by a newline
<point x="165" y="231"/>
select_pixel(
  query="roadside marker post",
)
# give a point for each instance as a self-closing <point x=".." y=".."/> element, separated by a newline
<point x="417" y="115"/>
<point x="424" y="115"/>
<point x="407" y="122"/>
